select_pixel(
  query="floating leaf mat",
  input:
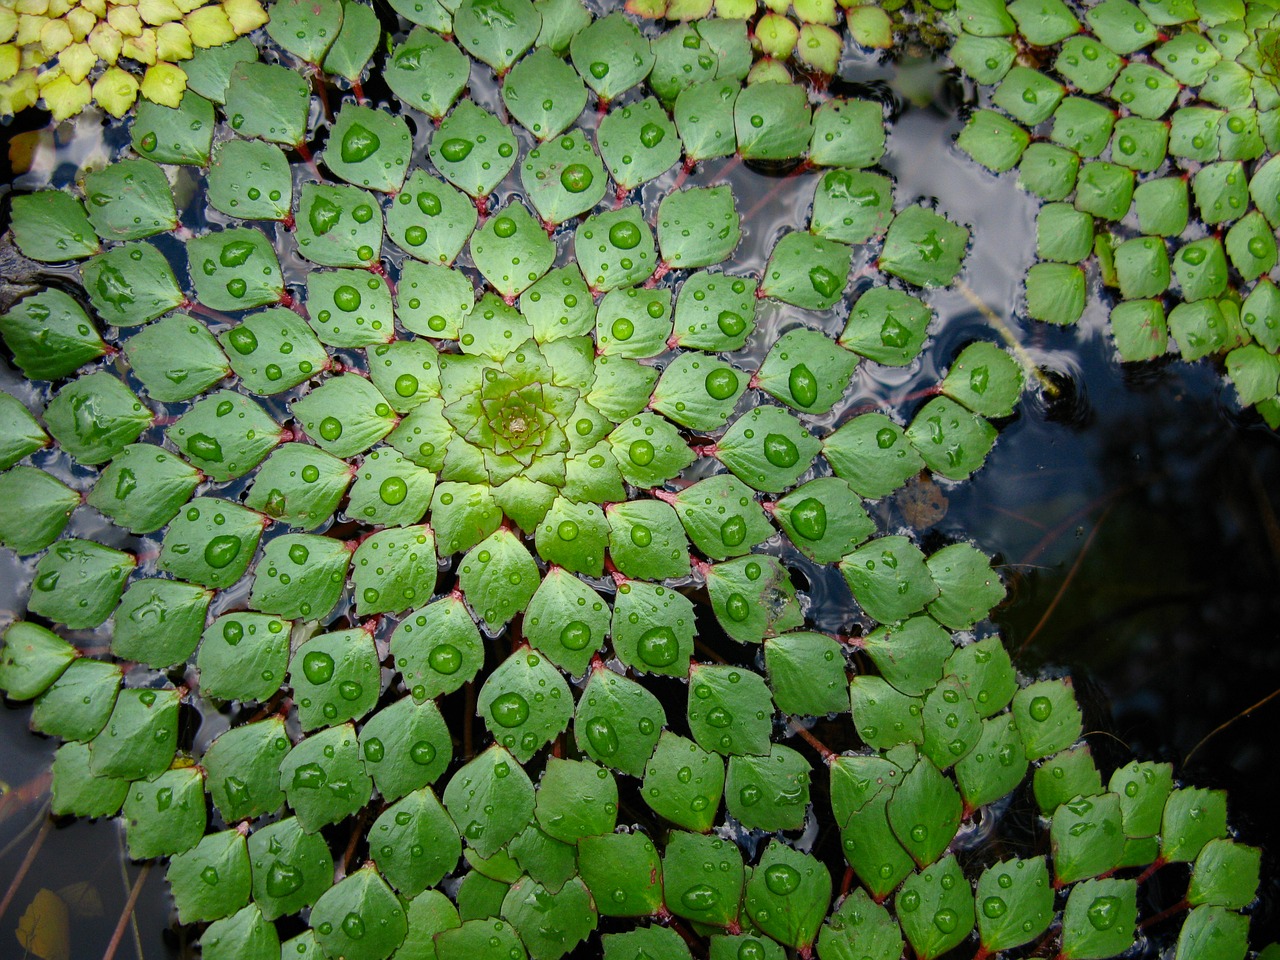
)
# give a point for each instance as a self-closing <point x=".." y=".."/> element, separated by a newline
<point x="452" y="452"/>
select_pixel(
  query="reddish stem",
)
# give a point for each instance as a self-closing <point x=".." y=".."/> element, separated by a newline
<point x="122" y="924"/>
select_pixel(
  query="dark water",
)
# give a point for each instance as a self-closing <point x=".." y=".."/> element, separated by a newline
<point x="1133" y="516"/>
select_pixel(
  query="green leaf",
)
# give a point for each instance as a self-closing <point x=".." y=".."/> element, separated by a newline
<point x="181" y="135"/>
<point x="345" y="415"/>
<point x="787" y="895"/>
<point x="305" y="30"/>
<point x="559" y="305"/>
<point x="273" y="350"/>
<point x="225" y="435"/>
<point x="427" y="72"/>
<point x="951" y="723"/>
<point x="986" y="671"/>
<point x="985" y="59"/>
<point x="651" y="941"/>
<point x="573" y="535"/>
<point x="50" y="335"/>
<point x="390" y="490"/>
<point x="547" y="861"/>
<point x="698" y="226"/>
<point x="852" y="206"/>
<point x="34" y="509"/>
<point x="405" y="746"/>
<point x="860" y="790"/>
<point x="323" y="779"/>
<point x="405" y="371"/>
<point x="437" y="649"/>
<point x="683" y="783"/>
<point x="993" y="141"/>
<point x="878" y="572"/>
<point x="925" y="812"/>
<point x="475" y="936"/>
<point x="1143" y="789"/>
<point x="393" y="568"/>
<point x="369" y="148"/>
<point x="498" y="578"/>
<point x="473" y="150"/>
<point x="985" y="379"/>
<point x="211" y="880"/>
<point x="1087" y="837"/>
<point x="653" y="628"/>
<point x="649" y="450"/>
<point x="703" y="878"/>
<point x="209" y="69"/>
<point x="159" y="622"/>
<point x="1200" y="328"/>
<point x="646" y="540"/>
<point x="335" y="678"/>
<point x="1048" y="717"/>
<point x="1064" y="776"/>
<point x="806" y="674"/>
<point x="431" y="221"/>
<point x="290" y="867"/>
<point x="952" y="441"/>
<point x="52" y="226"/>
<point x="76" y="705"/>
<point x="995" y="766"/>
<point x="624" y="873"/>
<point x="715" y="311"/>
<point x="176" y="358"/>
<point x="883" y="716"/>
<point x="698" y="392"/>
<point x="359" y="918"/>
<point x="1140" y="330"/>
<point x="806" y="371"/>
<point x="634" y="323"/>
<point x="618" y="721"/>
<point x="512" y="251"/>
<point x="242" y="769"/>
<point x="859" y="927"/>
<point x="910" y="655"/>
<point x="1015" y="903"/>
<point x="549" y="923"/>
<point x="924" y="248"/>
<point x="968" y="588"/>
<point x="704" y="118"/>
<point x="847" y="133"/>
<point x="729" y="711"/>
<point x="299" y="485"/>
<point x="76" y="791"/>
<point x="935" y="908"/>
<point x="767" y="448"/>
<point x="887" y="326"/>
<point x="1213" y="933"/>
<point x="823" y="519"/>
<point x="338" y="226"/>
<point x="872" y="454"/>
<point x="267" y="102"/>
<point x="984" y="18"/>
<point x="496" y="36"/>
<point x="356" y="41"/>
<point x="32" y="658"/>
<point x="428" y="913"/>
<point x="615" y="249"/>
<point x="165" y="816"/>
<point x="78" y="583"/>
<point x="140" y="736"/>
<point x="131" y="284"/>
<point x="611" y="55"/>
<point x="1192" y="817"/>
<point x="1044" y="22"/>
<point x="1028" y="96"/>
<point x="753" y="597"/>
<point x="576" y="799"/>
<point x="415" y="843"/>
<point x="1099" y="919"/>
<point x="1251" y="246"/>
<point x="769" y="792"/>
<point x="129" y="199"/>
<point x="243" y="656"/>
<point x="490" y="799"/>
<point x="546" y="95"/>
<point x="525" y="704"/>
<point x="1055" y="293"/>
<point x="1225" y="875"/>
<point x="234" y="269"/>
<point x="638" y="143"/>
<point x="350" y="308"/>
<point x="1048" y="171"/>
<point x="772" y="122"/>
<point x="807" y="271"/>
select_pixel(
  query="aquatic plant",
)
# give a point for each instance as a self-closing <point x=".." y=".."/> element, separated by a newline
<point x="369" y="504"/>
<point x="69" y="55"/>
<point x="1150" y="133"/>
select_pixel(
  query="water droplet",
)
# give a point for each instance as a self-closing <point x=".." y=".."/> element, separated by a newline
<point x="781" y="879"/>
<point x="658" y="647"/>
<point x="509" y="709"/>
